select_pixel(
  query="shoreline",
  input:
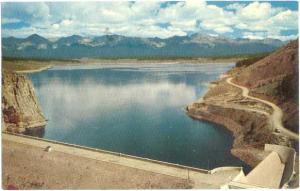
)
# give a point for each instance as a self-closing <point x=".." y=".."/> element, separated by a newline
<point x="229" y="124"/>
<point x="33" y="70"/>
<point x="131" y="60"/>
<point x="32" y="66"/>
<point x="206" y="108"/>
<point x="224" y="122"/>
<point x="163" y="61"/>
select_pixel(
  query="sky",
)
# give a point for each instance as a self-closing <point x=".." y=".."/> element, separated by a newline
<point x="163" y="19"/>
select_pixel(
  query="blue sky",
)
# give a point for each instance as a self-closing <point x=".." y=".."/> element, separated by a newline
<point x="235" y="19"/>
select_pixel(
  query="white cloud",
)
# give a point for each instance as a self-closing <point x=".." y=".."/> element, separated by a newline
<point x="66" y="22"/>
<point x="223" y="29"/>
<point x="10" y="20"/>
<point x="142" y="18"/>
<point x="255" y="11"/>
<point x="235" y="6"/>
<point x="55" y="26"/>
<point x="287" y="19"/>
<point x="284" y="38"/>
<point x="187" y="25"/>
<point x="150" y="31"/>
<point x="263" y="35"/>
<point x="254" y="35"/>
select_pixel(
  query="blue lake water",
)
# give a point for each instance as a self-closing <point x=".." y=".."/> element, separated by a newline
<point x="134" y="109"/>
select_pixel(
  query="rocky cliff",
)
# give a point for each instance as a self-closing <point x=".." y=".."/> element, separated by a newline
<point x="20" y="108"/>
<point x="274" y="78"/>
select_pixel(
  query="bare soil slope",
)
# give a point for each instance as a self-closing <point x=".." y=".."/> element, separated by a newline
<point x="273" y="78"/>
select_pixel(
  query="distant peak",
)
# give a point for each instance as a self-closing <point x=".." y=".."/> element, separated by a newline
<point x="35" y="36"/>
<point x="76" y="36"/>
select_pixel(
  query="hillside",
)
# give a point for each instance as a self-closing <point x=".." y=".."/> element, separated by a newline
<point x="275" y="78"/>
<point x="271" y="79"/>
<point x="117" y="46"/>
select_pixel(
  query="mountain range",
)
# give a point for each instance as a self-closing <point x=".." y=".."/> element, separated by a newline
<point x="117" y="46"/>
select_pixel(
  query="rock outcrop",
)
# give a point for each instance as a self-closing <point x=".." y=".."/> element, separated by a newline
<point x="20" y="108"/>
<point x="273" y="78"/>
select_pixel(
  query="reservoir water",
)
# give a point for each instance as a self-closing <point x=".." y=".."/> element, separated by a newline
<point x="135" y="109"/>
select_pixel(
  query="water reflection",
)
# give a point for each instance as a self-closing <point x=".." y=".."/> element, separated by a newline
<point x="134" y="110"/>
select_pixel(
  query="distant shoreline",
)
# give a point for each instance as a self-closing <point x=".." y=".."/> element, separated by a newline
<point x="164" y="61"/>
<point x="31" y="66"/>
<point x="34" y="70"/>
<point x="131" y="60"/>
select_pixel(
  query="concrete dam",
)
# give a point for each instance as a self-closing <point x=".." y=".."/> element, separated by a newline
<point x="277" y="170"/>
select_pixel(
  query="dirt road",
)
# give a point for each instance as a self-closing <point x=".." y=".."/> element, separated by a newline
<point x="275" y="117"/>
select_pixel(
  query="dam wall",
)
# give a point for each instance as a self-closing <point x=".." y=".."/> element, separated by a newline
<point x="288" y="157"/>
<point x="275" y="171"/>
<point x="200" y="178"/>
<point x="117" y="154"/>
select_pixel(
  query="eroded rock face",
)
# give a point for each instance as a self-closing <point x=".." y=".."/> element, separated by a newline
<point x="20" y="108"/>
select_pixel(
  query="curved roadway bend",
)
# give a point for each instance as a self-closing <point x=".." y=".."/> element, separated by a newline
<point x="275" y="117"/>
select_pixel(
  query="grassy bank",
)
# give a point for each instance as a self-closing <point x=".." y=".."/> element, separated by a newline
<point x="25" y="66"/>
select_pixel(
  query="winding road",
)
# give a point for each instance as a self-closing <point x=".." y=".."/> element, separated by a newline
<point x="275" y="117"/>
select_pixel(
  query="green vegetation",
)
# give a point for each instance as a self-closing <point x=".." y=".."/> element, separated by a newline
<point x="24" y="64"/>
<point x="17" y="65"/>
<point x="235" y="56"/>
<point x="251" y="60"/>
<point x="36" y="59"/>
